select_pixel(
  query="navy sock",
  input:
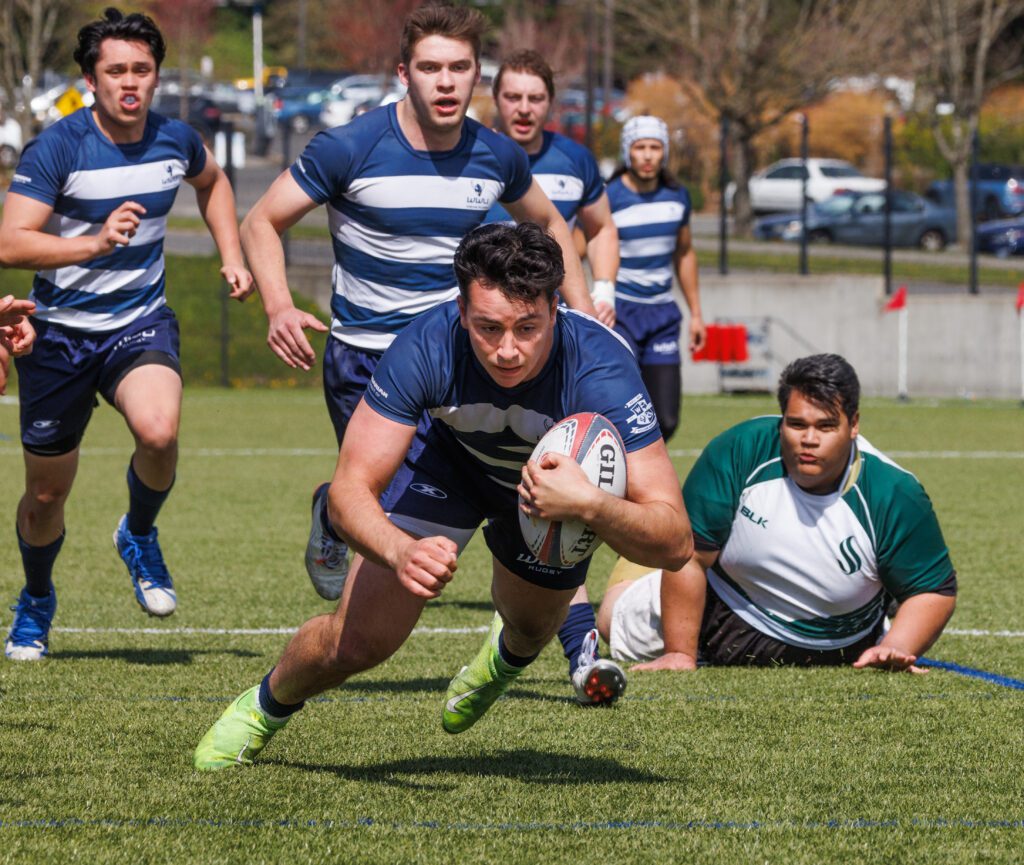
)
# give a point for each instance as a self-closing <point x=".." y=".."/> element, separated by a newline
<point x="510" y="659"/>
<point x="270" y="706"/>
<point x="578" y="623"/>
<point x="143" y="503"/>
<point x="38" y="564"/>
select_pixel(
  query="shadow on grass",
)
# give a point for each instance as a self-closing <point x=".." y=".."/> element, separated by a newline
<point x="532" y="767"/>
<point x="147" y="657"/>
<point x="483" y="606"/>
<point x="437" y="687"/>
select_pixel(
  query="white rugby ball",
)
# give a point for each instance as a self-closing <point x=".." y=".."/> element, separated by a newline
<point x="592" y="440"/>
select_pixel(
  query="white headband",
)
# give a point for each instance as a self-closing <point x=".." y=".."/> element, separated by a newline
<point x="643" y="126"/>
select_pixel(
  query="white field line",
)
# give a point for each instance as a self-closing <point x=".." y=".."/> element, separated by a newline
<point x="260" y="632"/>
<point x="332" y="452"/>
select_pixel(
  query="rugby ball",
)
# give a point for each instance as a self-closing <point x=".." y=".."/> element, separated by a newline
<point x="592" y="440"/>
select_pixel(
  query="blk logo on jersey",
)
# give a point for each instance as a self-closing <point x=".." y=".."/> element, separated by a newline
<point x="428" y="490"/>
<point x="478" y="201"/>
<point x="852" y="561"/>
<point x="641" y="413"/>
<point x="754" y="518"/>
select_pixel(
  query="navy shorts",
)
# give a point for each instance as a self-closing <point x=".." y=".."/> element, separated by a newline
<point x="58" y="382"/>
<point x="436" y="492"/>
<point x="651" y="329"/>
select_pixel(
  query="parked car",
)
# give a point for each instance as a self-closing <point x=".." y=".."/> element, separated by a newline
<point x="10" y="142"/>
<point x="859" y="218"/>
<point x="203" y="115"/>
<point x="999" y="193"/>
<point x="778" y="186"/>
<point x="299" y="107"/>
<point x="1004" y="237"/>
<point x="347" y="94"/>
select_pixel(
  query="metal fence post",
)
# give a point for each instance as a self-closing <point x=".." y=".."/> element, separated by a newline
<point x="887" y="224"/>
<point x="804" y="135"/>
<point x="723" y="216"/>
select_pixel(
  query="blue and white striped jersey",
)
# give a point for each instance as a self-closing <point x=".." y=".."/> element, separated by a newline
<point x="648" y="226"/>
<point x="568" y="174"/>
<point x="431" y="367"/>
<point x="84" y="176"/>
<point x="397" y="215"/>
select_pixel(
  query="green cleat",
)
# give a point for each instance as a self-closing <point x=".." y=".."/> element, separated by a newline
<point x="238" y="736"/>
<point x="476" y="687"/>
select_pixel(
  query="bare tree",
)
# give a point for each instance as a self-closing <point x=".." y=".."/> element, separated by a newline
<point x="30" y="38"/>
<point x="556" y="32"/>
<point x="186" y="26"/>
<point x="962" y="58"/>
<point x="753" y="62"/>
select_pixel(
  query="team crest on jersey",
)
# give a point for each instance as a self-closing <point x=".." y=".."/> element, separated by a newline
<point x="169" y="178"/>
<point x="477" y="201"/>
<point x="851" y="562"/>
<point x="641" y="414"/>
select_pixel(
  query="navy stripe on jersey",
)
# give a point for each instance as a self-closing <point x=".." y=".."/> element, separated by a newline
<point x="648" y="225"/>
<point x="431" y="367"/>
<point x="396" y="215"/>
<point x="84" y="177"/>
<point x="568" y="174"/>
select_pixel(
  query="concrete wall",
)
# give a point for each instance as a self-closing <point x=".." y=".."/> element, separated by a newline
<point x="959" y="345"/>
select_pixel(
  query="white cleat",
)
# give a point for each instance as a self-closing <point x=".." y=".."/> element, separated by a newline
<point x="326" y="558"/>
<point x="597" y="681"/>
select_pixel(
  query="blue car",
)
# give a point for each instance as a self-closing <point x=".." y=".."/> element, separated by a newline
<point x="999" y="192"/>
<point x="299" y="107"/>
<point x="1003" y="238"/>
<point x="859" y="218"/>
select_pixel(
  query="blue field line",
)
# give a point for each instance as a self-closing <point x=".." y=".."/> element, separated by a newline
<point x="538" y="826"/>
<point x="971" y="673"/>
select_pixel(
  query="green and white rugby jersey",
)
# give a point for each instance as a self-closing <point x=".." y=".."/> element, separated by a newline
<point x="812" y="570"/>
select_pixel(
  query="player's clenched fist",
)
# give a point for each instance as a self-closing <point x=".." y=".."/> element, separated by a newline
<point x="426" y="566"/>
<point x="120" y="227"/>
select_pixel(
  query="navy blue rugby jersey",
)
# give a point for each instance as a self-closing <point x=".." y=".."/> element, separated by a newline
<point x="84" y="176"/>
<point x="648" y="225"/>
<point x="431" y="367"/>
<point x="568" y="174"/>
<point x="397" y="215"/>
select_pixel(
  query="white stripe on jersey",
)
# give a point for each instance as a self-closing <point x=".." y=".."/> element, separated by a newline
<point x="100" y="183"/>
<point x="103" y="281"/>
<point x="654" y="276"/>
<point x="644" y="247"/>
<point x="384" y="298"/>
<point x="390" y="247"/>
<point x="149" y="230"/>
<point x="94" y="321"/>
<point x="560" y="187"/>
<point x="485" y="417"/>
<point x="417" y="190"/>
<point x="493" y="461"/>
<point x="362" y="338"/>
<point x="649" y="213"/>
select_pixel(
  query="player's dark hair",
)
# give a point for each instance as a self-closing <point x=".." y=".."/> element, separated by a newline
<point x="665" y="177"/>
<point x="522" y="261"/>
<point x="114" y="24"/>
<point x="531" y="63"/>
<point x="442" y="19"/>
<point x="826" y="380"/>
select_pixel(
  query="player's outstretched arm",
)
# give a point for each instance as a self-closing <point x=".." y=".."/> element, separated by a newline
<point x="216" y="202"/>
<point x="918" y="624"/>
<point x="649" y="526"/>
<point x="682" y="610"/>
<point x="535" y="206"/>
<point x="685" y="260"/>
<point x="603" y="254"/>
<point x="281" y="206"/>
<point x="24" y="243"/>
<point x="424" y="565"/>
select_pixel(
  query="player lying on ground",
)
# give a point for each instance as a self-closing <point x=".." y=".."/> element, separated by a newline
<point x="87" y="209"/>
<point x="803" y="532"/>
<point x="495" y="370"/>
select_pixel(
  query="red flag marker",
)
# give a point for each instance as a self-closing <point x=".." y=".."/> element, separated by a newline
<point x="899" y="299"/>
<point x="1020" y="297"/>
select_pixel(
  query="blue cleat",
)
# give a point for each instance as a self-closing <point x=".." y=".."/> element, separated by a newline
<point x="141" y="554"/>
<point x="28" y="638"/>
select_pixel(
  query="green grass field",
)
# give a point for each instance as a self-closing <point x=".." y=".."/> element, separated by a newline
<point x="730" y="766"/>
